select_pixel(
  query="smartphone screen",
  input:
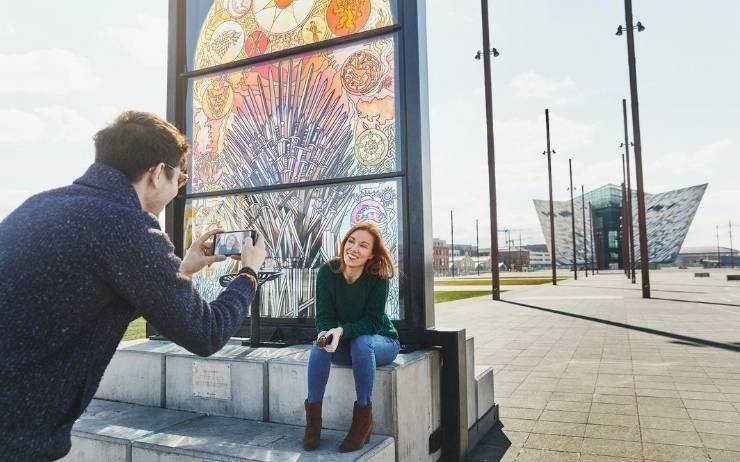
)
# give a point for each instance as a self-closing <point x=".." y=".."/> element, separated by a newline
<point x="230" y="243"/>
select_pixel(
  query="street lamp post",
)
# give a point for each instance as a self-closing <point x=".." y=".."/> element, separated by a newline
<point x="452" y="243"/>
<point x="573" y="222"/>
<point x="477" y="249"/>
<point x="732" y="251"/>
<point x="487" y="78"/>
<point x="591" y="219"/>
<point x="630" y="229"/>
<point x="552" y="214"/>
<point x="644" y="263"/>
<point x="585" y="240"/>
<point x="626" y="237"/>
<point x="719" y="257"/>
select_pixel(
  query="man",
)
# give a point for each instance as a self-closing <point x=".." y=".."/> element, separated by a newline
<point x="78" y="263"/>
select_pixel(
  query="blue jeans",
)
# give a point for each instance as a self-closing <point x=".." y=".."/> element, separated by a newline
<point x="363" y="353"/>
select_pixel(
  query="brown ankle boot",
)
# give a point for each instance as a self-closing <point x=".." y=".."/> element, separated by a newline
<point x="359" y="432"/>
<point x="312" y="434"/>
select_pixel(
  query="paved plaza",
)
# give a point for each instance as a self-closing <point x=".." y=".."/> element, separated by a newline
<point x="590" y="371"/>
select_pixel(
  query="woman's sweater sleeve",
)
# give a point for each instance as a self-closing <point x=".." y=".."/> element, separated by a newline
<point x="372" y="321"/>
<point x="326" y="310"/>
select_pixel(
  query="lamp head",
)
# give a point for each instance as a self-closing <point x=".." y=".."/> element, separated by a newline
<point x="495" y="52"/>
<point x="619" y="30"/>
<point x="477" y="55"/>
<point x="640" y="27"/>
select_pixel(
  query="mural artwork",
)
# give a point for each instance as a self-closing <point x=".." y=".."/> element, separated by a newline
<point x="324" y="115"/>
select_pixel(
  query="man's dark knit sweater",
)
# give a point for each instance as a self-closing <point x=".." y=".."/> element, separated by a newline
<point x="77" y="264"/>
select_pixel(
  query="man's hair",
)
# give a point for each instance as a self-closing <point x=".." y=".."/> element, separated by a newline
<point x="137" y="141"/>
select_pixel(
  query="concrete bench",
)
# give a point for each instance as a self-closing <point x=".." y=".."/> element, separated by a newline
<point x="701" y="275"/>
<point x="733" y="277"/>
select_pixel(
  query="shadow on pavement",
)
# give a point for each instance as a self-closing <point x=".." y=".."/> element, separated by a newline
<point x="694" y="301"/>
<point x="637" y="289"/>
<point x="491" y="447"/>
<point x="685" y="338"/>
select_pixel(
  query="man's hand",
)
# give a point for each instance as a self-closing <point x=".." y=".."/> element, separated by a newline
<point x="200" y="254"/>
<point x="253" y="255"/>
<point x="335" y="333"/>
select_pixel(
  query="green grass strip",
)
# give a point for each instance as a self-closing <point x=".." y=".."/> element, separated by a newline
<point x="136" y="330"/>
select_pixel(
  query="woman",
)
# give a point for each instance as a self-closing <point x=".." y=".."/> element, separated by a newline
<point x="230" y="246"/>
<point x="350" y="313"/>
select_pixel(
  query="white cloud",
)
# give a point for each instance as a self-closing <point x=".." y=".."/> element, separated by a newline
<point x="531" y="85"/>
<point x="146" y="41"/>
<point x="51" y="71"/>
<point x="69" y="125"/>
<point x="17" y="127"/>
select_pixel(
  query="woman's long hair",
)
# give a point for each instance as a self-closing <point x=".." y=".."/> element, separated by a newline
<point x="381" y="263"/>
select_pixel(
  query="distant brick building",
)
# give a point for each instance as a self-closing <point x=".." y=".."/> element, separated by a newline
<point x="441" y="258"/>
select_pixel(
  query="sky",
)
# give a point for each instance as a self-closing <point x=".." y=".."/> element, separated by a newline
<point x="72" y="69"/>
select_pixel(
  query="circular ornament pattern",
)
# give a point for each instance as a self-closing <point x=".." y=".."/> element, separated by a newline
<point x="256" y="44"/>
<point x="361" y="72"/>
<point x="226" y="42"/>
<point x="372" y="147"/>
<point x="237" y="8"/>
<point x="281" y="16"/>
<point x="346" y="17"/>
<point x="218" y="97"/>
<point x="314" y="30"/>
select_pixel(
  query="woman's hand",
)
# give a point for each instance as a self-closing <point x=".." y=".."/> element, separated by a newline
<point x="335" y="333"/>
<point x="200" y="254"/>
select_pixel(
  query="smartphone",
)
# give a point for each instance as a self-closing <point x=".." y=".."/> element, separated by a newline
<point x="229" y="243"/>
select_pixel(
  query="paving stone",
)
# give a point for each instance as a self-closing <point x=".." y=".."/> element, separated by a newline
<point x="543" y="455"/>
<point x="519" y="425"/>
<point x="554" y="442"/>
<point x="553" y="405"/>
<point x="519" y="413"/>
<point x="657" y="392"/>
<point x="559" y="428"/>
<point x="708" y="405"/>
<point x="614" y="399"/>
<point x="578" y="397"/>
<point x="613" y="432"/>
<point x="615" y="391"/>
<point x="659" y="402"/>
<point x="662" y="411"/>
<point x="614" y="448"/>
<point x="651" y="435"/>
<point x="716" y="441"/>
<point x="612" y="419"/>
<point x="723" y="428"/>
<point x="672" y="453"/>
<point x="716" y="416"/>
<point x="599" y="458"/>
<point x="666" y="423"/>
<point x="622" y="409"/>
<point x="719" y="455"/>
<point x="564" y="416"/>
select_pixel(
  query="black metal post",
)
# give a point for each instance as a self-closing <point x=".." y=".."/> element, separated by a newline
<point x="626" y="243"/>
<point x="552" y="213"/>
<point x="477" y="249"/>
<point x="630" y="222"/>
<point x="644" y="262"/>
<point x="585" y="237"/>
<point x="487" y="78"/>
<point x="732" y="251"/>
<point x="719" y="257"/>
<point x="591" y="219"/>
<point x="452" y="243"/>
<point x="623" y="233"/>
<point x="573" y="222"/>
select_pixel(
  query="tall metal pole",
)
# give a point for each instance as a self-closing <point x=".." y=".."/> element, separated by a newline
<point x="626" y="243"/>
<point x="452" y="243"/>
<point x="644" y="263"/>
<point x="630" y="223"/>
<point x="732" y="251"/>
<point x="495" y="283"/>
<point x="573" y="222"/>
<point x="591" y="220"/>
<point x="477" y="249"/>
<point x="585" y="240"/>
<point x="552" y="213"/>
<point x="719" y="257"/>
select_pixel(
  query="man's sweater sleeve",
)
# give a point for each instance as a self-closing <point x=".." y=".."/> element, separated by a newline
<point x="144" y="270"/>
<point x="326" y="310"/>
<point x="372" y="321"/>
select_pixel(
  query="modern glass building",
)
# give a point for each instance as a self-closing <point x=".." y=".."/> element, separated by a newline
<point x="601" y="239"/>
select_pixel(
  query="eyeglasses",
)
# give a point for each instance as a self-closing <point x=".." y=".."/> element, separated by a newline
<point x="183" y="178"/>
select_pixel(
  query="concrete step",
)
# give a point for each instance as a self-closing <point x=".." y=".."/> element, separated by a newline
<point x="119" y="432"/>
<point x="106" y="430"/>
<point x="229" y="439"/>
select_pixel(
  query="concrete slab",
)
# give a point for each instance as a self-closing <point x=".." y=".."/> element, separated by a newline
<point x="106" y="429"/>
<point x="228" y="439"/>
<point x="136" y="373"/>
<point x="231" y="382"/>
<point x="483" y="390"/>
